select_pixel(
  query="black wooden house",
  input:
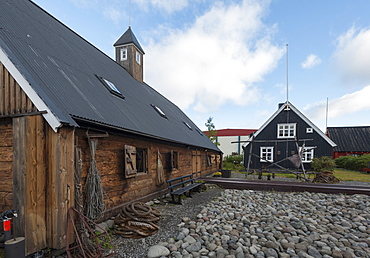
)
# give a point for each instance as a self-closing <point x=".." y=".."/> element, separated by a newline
<point x="284" y="139"/>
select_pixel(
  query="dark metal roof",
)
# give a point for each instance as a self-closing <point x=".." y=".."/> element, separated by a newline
<point x="62" y="68"/>
<point x="127" y="38"/>
<point x="350" y="139"/>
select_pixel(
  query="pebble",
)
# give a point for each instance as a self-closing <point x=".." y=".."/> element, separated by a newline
<point x="245" y="223"/>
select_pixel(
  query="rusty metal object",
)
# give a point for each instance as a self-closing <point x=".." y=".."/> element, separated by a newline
<point x="283" y="186"/>
<point x="86" y="243"/>
<point x="326" y="177"/>
<point x="137" y="220"/>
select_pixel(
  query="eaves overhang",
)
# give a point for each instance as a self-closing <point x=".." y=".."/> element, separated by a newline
<point x="13" y="69"/>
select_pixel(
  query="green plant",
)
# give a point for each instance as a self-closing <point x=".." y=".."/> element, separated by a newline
<point x="104" y="239"/>
<point x="352" y="162"/>
<point x="323" y="163"/>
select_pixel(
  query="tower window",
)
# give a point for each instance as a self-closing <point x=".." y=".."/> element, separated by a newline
<point x="138" y="57"/>
<point x="123" y="54"/>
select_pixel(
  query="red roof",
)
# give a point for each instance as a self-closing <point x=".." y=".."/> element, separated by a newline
<point x="233" y="132"/>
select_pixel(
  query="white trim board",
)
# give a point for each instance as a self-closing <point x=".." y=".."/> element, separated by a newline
<point x="52" y="120"/>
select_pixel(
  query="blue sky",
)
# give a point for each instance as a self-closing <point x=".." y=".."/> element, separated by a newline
<point x="227" y="59"/>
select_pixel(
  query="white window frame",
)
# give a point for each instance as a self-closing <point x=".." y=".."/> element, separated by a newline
<point x="123" y="54"/>
<point x="308" y="154"/>
<point x="138" y="57"/>
<point x="266" y="153"/>
<point x="285" y="130"/>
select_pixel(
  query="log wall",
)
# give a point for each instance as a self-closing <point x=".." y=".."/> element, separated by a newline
<point x="110" y="158"/>
<point x="6" y="164"/>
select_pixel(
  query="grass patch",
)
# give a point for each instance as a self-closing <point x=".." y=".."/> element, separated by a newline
<point x="351" y="175"/>
<point x="342" y="174"/>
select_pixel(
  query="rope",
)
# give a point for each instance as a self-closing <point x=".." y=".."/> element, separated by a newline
<point x="160" y="176"/>
<point x="94" y="205"/>
<point x="137" y="220"/>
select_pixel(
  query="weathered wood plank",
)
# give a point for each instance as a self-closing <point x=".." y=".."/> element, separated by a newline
<point x="19" y="145"/>
<point x="17" y="95"/>
<point x="60" y="184"/>
<point x="40" y="182"/>
<point x="2" y="97"/>
<point x="52" y="189"/>
<point x="6" y="93"/>
<point x="30" y="184"/>
<point x="11" y="95"/>
<point x="66" y="182"/>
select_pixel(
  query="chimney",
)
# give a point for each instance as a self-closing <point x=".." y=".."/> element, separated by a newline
<point x="129" y="54"/>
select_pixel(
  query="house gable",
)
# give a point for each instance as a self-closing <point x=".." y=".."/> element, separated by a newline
<point x="283" y="135"/>
<point x="277" y="117"/>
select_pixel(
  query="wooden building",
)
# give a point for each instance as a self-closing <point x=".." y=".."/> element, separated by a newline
<point x="69" y="112"/>
<point x="350" y="140"/>
<point x="284" y="139"/>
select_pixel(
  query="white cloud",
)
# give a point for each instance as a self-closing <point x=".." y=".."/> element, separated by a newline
<point x="311" y="61"/>
<point x="343" y="106"/>
<point x="114" y="14"/>
<point x="167" y="5"/>
<point x="352" y="55"/>
<point x="217" y="59"/>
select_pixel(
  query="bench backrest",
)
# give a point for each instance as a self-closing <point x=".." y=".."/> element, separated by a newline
<point x="180" y="181"/>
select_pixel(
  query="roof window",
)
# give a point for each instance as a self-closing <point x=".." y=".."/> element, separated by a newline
<point x="111" y="87"/>
<point x="187" y="125"/>
<point x="159" y="111"/>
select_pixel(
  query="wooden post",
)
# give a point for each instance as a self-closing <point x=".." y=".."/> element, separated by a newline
<point x="249" y="156"/>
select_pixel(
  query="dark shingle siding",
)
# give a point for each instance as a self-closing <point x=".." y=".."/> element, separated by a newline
<point x="62" y="67"/>
<point x="350" y="139"/>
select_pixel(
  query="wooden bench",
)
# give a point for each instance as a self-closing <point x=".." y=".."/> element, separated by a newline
<point x="182" y="185"/>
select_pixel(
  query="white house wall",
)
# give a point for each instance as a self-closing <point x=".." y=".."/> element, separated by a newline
<point x="227" y="147"/>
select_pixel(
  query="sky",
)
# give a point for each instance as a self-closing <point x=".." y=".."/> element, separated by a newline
<point x="236" y="60"/>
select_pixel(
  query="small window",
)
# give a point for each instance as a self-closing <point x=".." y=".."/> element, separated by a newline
<point x="136" y="161"/>
<point x="123" y="54"/>
<point x="286" y="130"/>
<point x="110" y="86"/>
<point x="187" y="125"/>
<point x="307" y="155"/>
<point x="141" y="160"/>
<point x="309" y="130"/>
<point x="266" y="154"/>
<point x="138" y="57"/>
<point x="174" y="160"/>
<point x="159" y="111"/>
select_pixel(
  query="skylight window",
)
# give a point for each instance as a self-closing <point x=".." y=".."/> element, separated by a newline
<point x="159" y="111"/>
<point x="187" y="125"/>
<point x="111" y="87"/>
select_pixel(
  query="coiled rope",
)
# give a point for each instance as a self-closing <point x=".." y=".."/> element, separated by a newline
<point x="94" y="203"/>
<point x="137" y="220"/>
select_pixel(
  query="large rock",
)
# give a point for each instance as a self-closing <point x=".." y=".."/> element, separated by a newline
<point x="156" y="251"/>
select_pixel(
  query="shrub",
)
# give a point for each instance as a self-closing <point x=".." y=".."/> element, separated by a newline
<point x="352" y="162"/>
<point x="236" y="159"/>
<point x="233" y="162"/>
<point x="323" y="163"/>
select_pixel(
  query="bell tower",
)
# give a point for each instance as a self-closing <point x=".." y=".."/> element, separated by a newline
<point x="130" y="54"/>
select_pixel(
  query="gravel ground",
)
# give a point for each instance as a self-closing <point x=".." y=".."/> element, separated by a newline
<point x="172" y="216"/>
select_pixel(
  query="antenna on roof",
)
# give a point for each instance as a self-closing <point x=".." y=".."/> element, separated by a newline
<point x="287" y="82"/>
<point x="129" y="13"/>
<point x="326" y="119"/>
